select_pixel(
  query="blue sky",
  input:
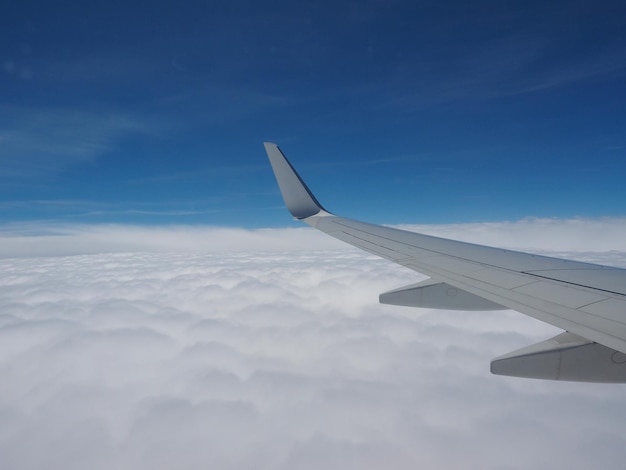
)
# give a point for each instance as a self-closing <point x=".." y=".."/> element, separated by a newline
<point x="395" y="112"/>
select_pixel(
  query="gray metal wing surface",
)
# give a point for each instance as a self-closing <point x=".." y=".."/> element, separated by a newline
<point x="586" y="300"/>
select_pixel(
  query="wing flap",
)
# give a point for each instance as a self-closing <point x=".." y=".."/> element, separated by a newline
<point x="611" y="309"/>
<point x="565" y="295"/>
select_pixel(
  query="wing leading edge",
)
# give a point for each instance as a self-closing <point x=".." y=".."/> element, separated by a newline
<point x="586" y="300"/>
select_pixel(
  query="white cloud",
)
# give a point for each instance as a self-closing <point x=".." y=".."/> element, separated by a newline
<point x="596" y="238"/>
<point x="70" y="239"/>
<point x="539" y="234"/>
<point x="265" y="358"/>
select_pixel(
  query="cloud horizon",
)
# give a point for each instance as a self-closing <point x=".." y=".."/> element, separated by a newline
<point x="34" y="239"/>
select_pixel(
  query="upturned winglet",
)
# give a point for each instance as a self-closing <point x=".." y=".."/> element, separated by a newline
<point x="297" y="196"/>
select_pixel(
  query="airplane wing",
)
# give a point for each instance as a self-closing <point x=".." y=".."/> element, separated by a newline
<point x="587" y="301"/>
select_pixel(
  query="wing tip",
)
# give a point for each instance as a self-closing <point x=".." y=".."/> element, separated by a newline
<point x="298" y="198"/>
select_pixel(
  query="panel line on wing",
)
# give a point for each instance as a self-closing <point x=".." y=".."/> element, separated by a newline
<point x="612" y="330"/>
<point x="575" y="284"/>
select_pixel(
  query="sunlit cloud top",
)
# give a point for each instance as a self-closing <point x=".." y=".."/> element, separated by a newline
<point x="244" y="350"/>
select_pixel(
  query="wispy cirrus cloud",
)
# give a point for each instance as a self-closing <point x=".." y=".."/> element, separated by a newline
<point x="41" y="141"/>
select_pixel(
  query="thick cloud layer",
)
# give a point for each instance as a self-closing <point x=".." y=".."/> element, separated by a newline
<point x="54" y="239"/>
<point x="273" y="359"/>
